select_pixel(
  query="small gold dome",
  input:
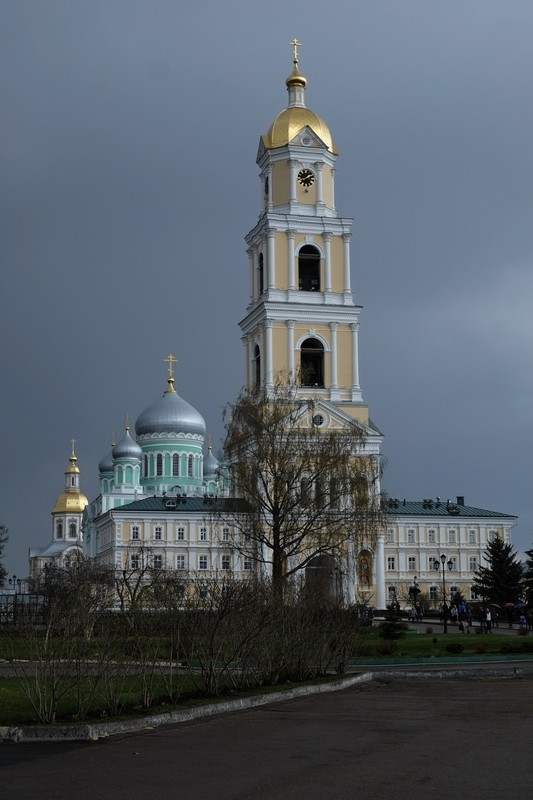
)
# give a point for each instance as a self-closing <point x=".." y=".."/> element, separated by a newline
<point x="70" y="503"/>
<point x="290" y="122"/>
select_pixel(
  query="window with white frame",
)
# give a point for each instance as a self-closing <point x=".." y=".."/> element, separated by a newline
<point x="472" y="563"/>
<point x="203" y="534"/>
<point x="471" y="537"/>
<point x="225" y="534"/>
<point x="391" y="593"/>
<point x="247" y="535"/>
<point x="451" y="537"/>
<point x="225" y="562"/>
<point x="473" y="595"/>
<point x="134" y="561"/>
<point x="180" y="562"/>
<point x="433" y="563"/>
<point x="453" y="562"/>
<point x="247" y="564"/>
<point x="432" y="536"/>
<point x="453" y="590"/>
<point x="135" y="532"/>
<point x="390" y="535"/>
<point x="491" y="536"/>
<point x="181" y="534"/>
<point x="158" y="532"/>
<point x="202" y="562"/>
<point x="158" y="562"/>
<point x="433" y="593"/>
<point x="391" y="563"/>
<point x="411" y="563"/>
<point x="410" y="536"/>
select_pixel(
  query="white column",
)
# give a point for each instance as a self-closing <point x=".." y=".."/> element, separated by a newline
<point x="333" y="379"/>
<point x="292" y="179"/>
<point x="354" y="327"/>
<point x="253" y="275"/>
<point x="271" y="264"/>
<point x="290" y="256"/>
<point x="269" y="197"/>
<point x="290" y="349"/>
<point x="327" y="262"/>
<point x="268" y="353"/>
<point x="319" y="184"/>
<point x="346" y="237"/>
<point x="333" y="189"/>
<point x="380" y="570"/>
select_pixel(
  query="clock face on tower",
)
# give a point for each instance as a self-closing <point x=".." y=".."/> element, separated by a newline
<point x="306" y="178"/>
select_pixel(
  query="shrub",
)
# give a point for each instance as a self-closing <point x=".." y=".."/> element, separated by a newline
<point x="429" y="630"/>
<point x="455" y="648"/>
<point x="387" y="647"/>
<point x="481" y="647"/>
<point x="522" y="632"/>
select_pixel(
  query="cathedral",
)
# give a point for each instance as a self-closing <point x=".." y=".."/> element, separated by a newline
<point x="158" y="485"/>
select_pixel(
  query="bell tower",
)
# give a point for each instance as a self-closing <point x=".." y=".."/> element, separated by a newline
<point x="302" y="324"/>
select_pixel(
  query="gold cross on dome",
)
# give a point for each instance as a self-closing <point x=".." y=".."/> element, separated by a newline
<point x="72" y="443"/>
<point x="295" y="45"/>
<point x="171" y="360"/>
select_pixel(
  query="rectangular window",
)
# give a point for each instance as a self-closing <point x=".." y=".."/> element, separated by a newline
<point x="180" y="562"/>
<point x="432" y="593"/>
<point x="158" y="562"/>
<point x="433" y="563"/>
<point x="158" y="533"/>
<point x="432" y="538"/>
<point x="391" y="563"/>
<point x="203" y="534"/>
<point x="491" y="536"/>
<point x="410" y="536"/>
<point x="451" y="537"/>
<point x="472" y="563"/>
<point x="225" y="534"/>
<point x="411" y="564"/>
<point x="202" y="562"/>
<point x="135" y="532"/>
<point x="391" y="591"/>
<point x="453" y="562"/>
<point x="135" y="562"/>
<point x="471" y="537"/>
<point x="225" y="562"/>
<point x="181" y="534"/>
<point x="247" y="564"/>
<point x="390" y="535"/>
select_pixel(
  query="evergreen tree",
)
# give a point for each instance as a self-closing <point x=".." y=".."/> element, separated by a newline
<point x="501" y="581"/>
<point x="528" y="577"/>
<point x="4" y="536"/>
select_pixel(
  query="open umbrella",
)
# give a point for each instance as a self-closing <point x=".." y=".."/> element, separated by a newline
<point x="509" y="605"/>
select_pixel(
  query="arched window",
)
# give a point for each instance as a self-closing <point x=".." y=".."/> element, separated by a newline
<point x="159" y="464"/>
<point x="72" y="530"/>
<point x="257" y="366"/>
<point x="312" y="363"/>
<point x="175" y="464"/>
<point x="189" y="466"/>
<point x="261" y="274"/>
<point x="309" y="269"/>
<point x="59" y="530"/>
<point x="145" y="466"/>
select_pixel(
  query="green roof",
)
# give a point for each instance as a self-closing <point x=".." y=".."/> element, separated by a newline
<point x="172" y="504"/>
<point x="438" y="508"/>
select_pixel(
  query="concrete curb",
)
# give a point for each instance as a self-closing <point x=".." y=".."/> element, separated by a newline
<point x="101" y="730"/>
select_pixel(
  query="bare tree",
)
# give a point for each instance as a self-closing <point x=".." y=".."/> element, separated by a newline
<point x="309" y="491"/>
<point x="4" y="536"/>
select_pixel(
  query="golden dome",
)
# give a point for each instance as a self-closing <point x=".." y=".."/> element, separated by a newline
<point x="290" y="122"/>
<point x="70" y="503"/>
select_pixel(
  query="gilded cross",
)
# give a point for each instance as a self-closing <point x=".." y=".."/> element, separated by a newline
<point x="171" y="360"/>
<point x="295" y="44"/>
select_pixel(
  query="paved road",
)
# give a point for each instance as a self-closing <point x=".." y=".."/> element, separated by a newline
<point x="392" y="739"/>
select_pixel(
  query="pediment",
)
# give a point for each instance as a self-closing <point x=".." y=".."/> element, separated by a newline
<point x="306" y="137"/>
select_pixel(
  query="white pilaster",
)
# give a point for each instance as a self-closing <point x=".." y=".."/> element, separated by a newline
<point x="333" y="378"/>
<point x="346" y="238"/>
<point x="380" y="570"/>
<point x="290" y="256"/>
<point x="268" y="354"/>
<point x="327" y="262"/>
<point x="290" y="349"/>
<point x="271" y="265"/>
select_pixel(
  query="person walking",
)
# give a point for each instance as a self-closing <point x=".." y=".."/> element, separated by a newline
<point x="488" y="620"/>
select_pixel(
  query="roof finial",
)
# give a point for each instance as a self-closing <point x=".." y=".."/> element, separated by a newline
<point x="72" y="453"/>
<point x="295" y="45"/>
<point x="127" y="421"/>
<point x="171" y="360"/>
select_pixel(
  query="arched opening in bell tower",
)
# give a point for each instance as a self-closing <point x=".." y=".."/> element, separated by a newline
<point x="309" y="269"/>
<point x="257" y="366"/>
<point x="312" y="363"/>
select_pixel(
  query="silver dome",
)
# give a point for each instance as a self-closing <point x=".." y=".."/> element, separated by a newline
<point x="106" y="464"/>
<point x="127" y="448"/>
<point x="170" y="414"/>
<point x="210" y="464"/>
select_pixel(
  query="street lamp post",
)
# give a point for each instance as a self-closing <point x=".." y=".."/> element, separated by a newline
<point x="442" y="566"/>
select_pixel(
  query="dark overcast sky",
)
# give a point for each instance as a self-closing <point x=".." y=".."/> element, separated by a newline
<point x="128" y="181"/>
